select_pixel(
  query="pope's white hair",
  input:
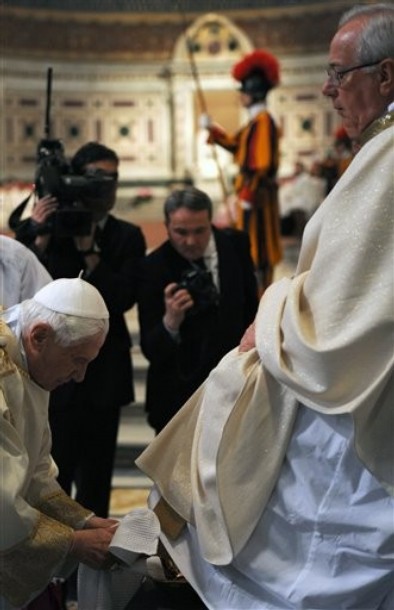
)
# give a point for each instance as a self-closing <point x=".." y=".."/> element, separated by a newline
<point x="68" y="329"/>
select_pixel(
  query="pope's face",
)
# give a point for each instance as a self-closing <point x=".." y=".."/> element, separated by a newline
<point x="50" y="364"/>
<point x="189" y="232"/>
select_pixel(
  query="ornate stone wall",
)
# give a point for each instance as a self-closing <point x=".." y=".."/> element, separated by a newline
<point x="126" y="80"/>
<point x="129" y="35"/>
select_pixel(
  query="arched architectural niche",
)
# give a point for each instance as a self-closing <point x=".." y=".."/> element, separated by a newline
<point x="211" y="37"/>
<point x="146" y="108"/>
<point x="201" y="82"/>
<point x="306" y="119"/>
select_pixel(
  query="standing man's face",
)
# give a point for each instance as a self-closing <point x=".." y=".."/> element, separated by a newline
<point x="245" y="99"/>
<point x="102" y="202"/>
<point x="189" y="232"/>
<point x="358" y="98"/>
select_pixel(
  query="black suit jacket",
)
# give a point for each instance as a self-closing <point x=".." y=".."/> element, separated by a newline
<point x="176" y="369"/>
<point x="109" y="378"/>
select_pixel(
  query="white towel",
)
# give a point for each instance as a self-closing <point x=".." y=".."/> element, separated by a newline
<point x="137" y="534"/>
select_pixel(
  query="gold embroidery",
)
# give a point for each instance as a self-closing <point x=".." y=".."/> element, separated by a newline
<point x="28" y="567"/>
<point x="384" y="122"/>
<point x="7" y="364"/>
<point x="22" y="372"/>
<point x="170" y="569"/>
<point x="7" y="367"/>
<point x="170" y="522"/>
<point x="61" y="507"/>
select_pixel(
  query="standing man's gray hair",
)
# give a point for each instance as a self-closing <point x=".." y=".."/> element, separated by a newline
<point x="376" y="41"/>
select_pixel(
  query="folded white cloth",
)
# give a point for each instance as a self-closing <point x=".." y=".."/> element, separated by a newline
<point x="137" y="534"/>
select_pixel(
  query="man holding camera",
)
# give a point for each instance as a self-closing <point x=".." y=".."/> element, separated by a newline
<point x="198" y="294"/>
<point x="84" y="417"/>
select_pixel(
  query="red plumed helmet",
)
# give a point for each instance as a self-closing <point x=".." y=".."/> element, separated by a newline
<point x="341" y="135"/>
<point x="258" y="63"/>
<point x="342" y="138"/>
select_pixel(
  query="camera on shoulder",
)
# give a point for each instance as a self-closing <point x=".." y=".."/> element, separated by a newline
<point x="54" y="176"/>
<point x="78" y="196"/>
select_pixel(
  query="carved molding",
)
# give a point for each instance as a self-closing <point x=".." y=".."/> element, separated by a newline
<point x="125" y="37"/>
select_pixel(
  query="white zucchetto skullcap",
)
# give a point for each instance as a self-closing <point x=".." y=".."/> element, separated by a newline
<point x="73" y="297"/>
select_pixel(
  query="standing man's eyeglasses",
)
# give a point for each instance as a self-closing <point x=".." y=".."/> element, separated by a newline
<point x="336" y="76"/>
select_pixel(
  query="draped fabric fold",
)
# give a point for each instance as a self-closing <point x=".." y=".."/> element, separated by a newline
<point x="328" y="333"/>
<point x="199" y="461"/>
<point x="324" y="338"/>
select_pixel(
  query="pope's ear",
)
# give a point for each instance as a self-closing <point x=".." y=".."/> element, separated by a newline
<point x="39" y="335"/>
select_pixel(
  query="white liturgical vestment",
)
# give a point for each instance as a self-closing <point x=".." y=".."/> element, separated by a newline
<point x="37" y="517"/>
<point x="274" y="484"/>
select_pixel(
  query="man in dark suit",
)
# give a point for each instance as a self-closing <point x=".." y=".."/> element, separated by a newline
<point x="84" y="417"/>
<point x="198" y="295"/>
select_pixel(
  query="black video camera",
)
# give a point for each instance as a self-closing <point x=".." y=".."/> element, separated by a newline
<point x="79" y="196"/>
<point x="199" y="283"/>
<point x="54" y="176"/>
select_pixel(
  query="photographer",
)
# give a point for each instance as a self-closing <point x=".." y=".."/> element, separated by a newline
<point x="84" y="417"/>
<point x="190" y="316"/>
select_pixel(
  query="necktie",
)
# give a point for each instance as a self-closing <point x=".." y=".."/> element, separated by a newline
<point x="97" y="235"/>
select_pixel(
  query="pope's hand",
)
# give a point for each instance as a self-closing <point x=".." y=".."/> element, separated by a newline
<point x="95" y="521"/>
<point x="90" y="546"/>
